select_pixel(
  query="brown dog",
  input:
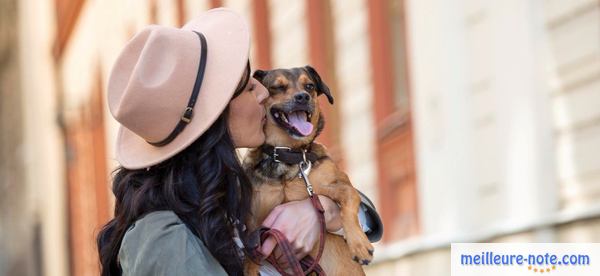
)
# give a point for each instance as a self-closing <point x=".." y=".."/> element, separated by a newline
<point x="293" y="112"/>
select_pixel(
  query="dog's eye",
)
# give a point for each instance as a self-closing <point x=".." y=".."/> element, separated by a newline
<point x="309" y="87"/>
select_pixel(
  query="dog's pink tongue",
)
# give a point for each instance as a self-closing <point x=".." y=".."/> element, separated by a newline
<point x="298" y="121"/>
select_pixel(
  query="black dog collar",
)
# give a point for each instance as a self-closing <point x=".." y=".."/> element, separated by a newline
<point x="288" y="155"/>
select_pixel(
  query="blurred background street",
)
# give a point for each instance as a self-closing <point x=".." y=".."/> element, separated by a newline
<point x="464" y="120"/>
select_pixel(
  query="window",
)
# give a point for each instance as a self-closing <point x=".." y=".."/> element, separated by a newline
<point x="395" y="153"/>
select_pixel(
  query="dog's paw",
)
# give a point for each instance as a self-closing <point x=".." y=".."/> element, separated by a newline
<point x="360" y="249"/>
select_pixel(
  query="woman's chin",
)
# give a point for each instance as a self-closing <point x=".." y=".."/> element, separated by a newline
<point x="254" y="142"/>
<point x="260" y="140"/>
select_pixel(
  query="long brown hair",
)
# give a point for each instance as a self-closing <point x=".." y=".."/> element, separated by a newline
<point x="204" y="185"/>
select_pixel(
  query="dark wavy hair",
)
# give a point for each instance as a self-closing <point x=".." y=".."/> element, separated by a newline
<point x="204" y="185"/>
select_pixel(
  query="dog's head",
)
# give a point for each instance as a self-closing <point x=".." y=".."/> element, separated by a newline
<point x="294" y="117"/>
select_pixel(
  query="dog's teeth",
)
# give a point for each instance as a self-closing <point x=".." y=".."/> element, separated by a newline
<point x="276" y="115"/>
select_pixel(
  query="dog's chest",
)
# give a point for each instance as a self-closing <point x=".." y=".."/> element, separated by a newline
<point x="295" y="189"/>
<point x="276" y="171"/>
<point x="287" y="178"/>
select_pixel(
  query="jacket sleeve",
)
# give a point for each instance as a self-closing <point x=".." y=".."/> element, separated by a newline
<point x="163" y="245"/>
<point x="369" y="220"/>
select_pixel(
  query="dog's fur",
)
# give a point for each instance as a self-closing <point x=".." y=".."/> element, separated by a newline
<point x="276" y="183"/>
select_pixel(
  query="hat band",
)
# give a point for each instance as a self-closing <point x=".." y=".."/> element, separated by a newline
<point x="188" y="113"/>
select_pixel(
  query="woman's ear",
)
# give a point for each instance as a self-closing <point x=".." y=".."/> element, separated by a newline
<point x="322" y="88"/>
<point x="260" y="75"/>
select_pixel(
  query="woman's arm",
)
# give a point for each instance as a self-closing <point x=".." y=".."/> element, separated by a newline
<point x="298" y="221"/>
<point x="333" y="219"/>
<point x="162" y="238"/>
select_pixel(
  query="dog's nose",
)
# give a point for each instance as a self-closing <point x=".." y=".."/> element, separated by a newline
<point x="302" y="98"/>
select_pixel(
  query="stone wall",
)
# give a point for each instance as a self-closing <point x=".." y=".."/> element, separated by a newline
<point x="18" y="229"/>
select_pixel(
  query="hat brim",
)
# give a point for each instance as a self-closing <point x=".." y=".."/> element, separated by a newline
<point x="228" y="45"/>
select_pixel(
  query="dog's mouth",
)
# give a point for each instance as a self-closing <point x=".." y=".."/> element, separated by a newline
<point x="296" y="122"/>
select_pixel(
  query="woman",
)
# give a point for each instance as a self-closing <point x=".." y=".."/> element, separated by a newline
<point x="180" y="191"/>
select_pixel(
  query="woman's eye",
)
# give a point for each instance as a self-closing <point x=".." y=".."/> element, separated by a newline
<point x="309" y="86"/>
<point x="251" y="88"/>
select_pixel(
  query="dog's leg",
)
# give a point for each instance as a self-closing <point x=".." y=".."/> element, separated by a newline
<point x="250" y="268"/>
<point x="327" y="180"/>
<point x="349" y="200"/>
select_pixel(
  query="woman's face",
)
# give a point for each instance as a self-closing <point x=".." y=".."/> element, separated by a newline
<point x="247" y="116"/>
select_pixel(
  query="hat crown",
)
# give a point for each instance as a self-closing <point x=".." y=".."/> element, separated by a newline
<point x="153" y="79"/>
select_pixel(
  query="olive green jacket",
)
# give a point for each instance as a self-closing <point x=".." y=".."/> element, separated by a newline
<point x="161" y="244"/>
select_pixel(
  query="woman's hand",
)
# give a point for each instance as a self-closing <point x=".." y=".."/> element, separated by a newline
<point x="299" y="223"/>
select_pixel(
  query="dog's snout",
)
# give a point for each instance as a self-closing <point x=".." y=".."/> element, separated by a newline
<point x="302" y="98"/>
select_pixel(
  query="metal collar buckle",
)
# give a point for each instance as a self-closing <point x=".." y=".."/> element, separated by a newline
<point x="275" y="155"/>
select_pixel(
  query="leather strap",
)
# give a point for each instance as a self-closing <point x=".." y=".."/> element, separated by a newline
<point x="288" y="155"/>
<point x="307" y="264"/>
<point x="321" y="214"/>
<point x="188" y="112"/>
<point x="286" y="248"/>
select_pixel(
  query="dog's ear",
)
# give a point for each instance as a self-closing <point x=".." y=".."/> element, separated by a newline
<point x="321" y="86"/>
<point x="259" y="75"/>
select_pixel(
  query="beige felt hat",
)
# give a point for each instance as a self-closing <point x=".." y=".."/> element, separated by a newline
<point x="152" y="83"/>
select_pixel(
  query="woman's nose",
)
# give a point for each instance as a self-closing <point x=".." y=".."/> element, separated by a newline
<point x="262" y="92"/>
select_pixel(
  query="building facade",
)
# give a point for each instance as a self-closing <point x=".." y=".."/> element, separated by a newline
<point x="464" y="121"/>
